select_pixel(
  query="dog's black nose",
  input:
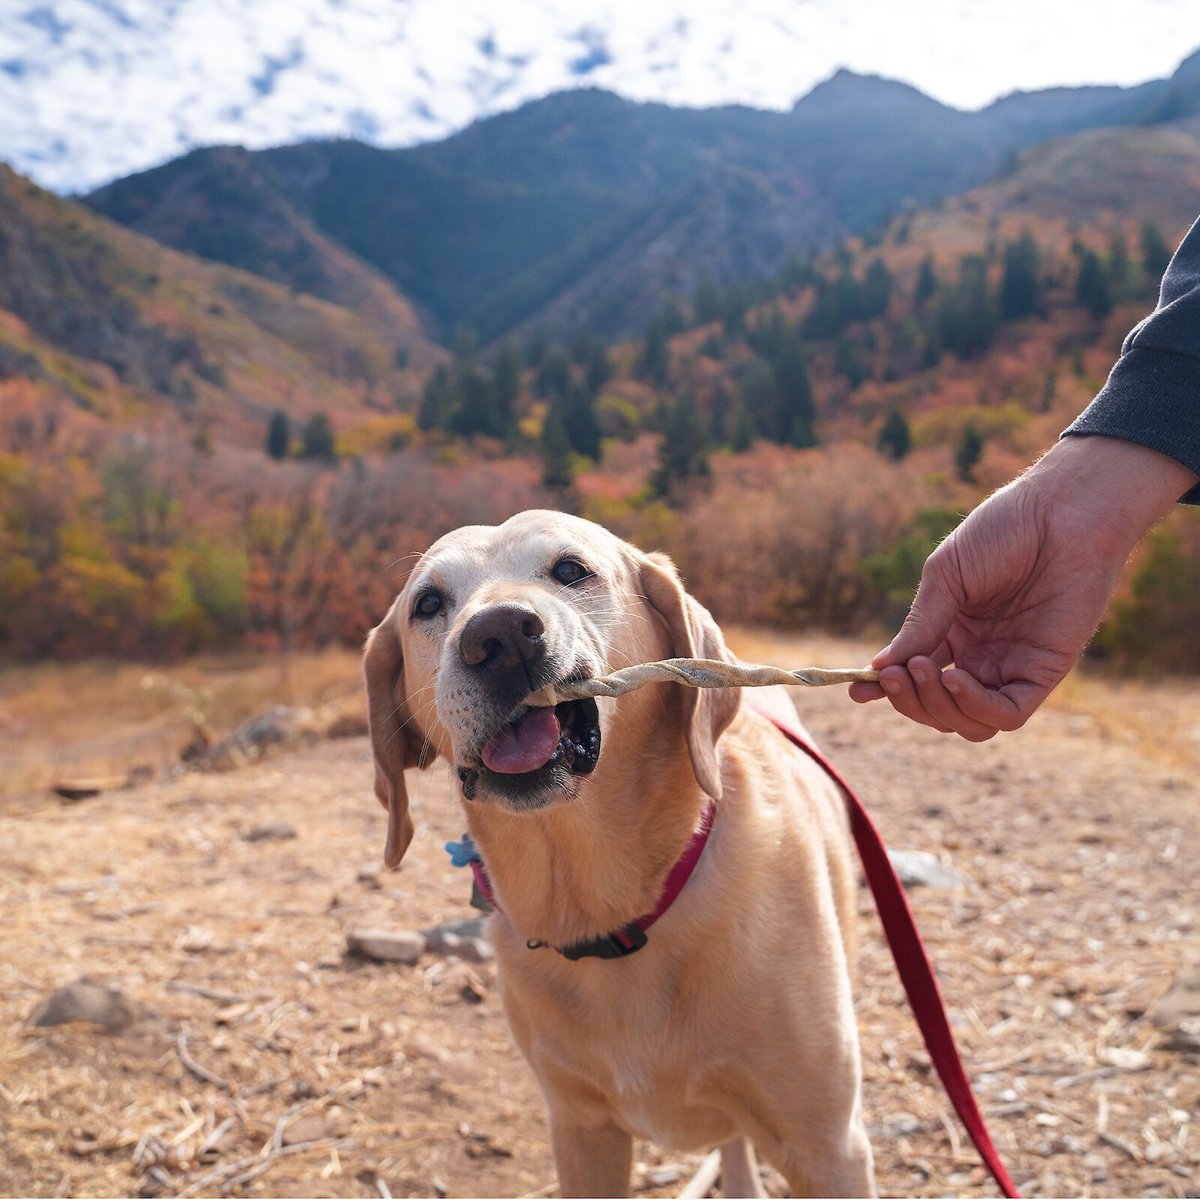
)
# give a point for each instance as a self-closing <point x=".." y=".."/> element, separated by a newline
<point x="504" y="636"/>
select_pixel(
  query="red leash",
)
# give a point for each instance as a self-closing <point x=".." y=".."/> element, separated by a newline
<point x="912" y="962"/>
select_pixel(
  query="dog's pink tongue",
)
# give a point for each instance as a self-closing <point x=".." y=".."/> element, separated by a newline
<point x="524" y="745"/>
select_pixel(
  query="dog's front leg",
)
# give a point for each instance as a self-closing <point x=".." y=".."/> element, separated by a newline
<point x="591" y="1160"/>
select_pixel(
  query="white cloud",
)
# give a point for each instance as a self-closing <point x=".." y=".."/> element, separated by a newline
<point x="90" y="89"/>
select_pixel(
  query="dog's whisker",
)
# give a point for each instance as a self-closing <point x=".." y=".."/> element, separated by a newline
<point x="423" y="754"/>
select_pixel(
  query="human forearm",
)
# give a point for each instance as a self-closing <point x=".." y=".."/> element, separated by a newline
<point x="1114" y="489"/>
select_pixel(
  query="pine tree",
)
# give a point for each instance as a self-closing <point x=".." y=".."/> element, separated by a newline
<point x="553" y="379"/>
<point x="477" y="411"/>
<point x="926" y="281"/>
<point x="1156" y="254"/>
<point x="316" y="440"/>
<point x="683" y="451"/>
<point x="591" y="354"/>
<point x="1091" y="286"/>
<point x="837" y="303"/>
<point x="742" y="436"/>
<point x="848" y="362"/>
<point x="895" y="438"/>
<point x="797" y="415"/>
<point x="967" y="453"/>
<point x="578" y="411"/>
<point x="555" y="451"/>
<point x="655" y="364"/>
<point x="506" y="382"/>
<point x="279" y="435"/>
<point x="876" y="289"/>
<point x="966" y="320"/>
<point x="761" y="401"/>
<point x="439" y="401"/>
<point x="708" y="303"/>
<point x="1118" y="265"/>
<point x="1020" y="291"/>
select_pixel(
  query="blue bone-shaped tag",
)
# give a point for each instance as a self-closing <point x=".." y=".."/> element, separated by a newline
<point x="464" y="853"/>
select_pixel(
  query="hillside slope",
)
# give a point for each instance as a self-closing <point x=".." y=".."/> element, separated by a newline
<point x="117" y="325"/>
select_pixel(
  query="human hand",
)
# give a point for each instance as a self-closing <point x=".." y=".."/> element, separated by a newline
<point x="1012" y="596"/>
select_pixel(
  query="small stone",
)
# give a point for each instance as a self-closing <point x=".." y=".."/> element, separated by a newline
<point x="919" y="868"/>
<point x="464" y="940"/>
<point x="83" y="1000"/>
<point x="663" y="1176"/>
<point x="1185" y="1039"/>
<point x="384" y="945"/>
<point x="273" y="831"/>
<point x="308" y="1129"/>
<point x="1123" y="1058"/>
<point x="472" y="992"/>
<point x="475" y="950"/>
<point x="195" y="939"/>
<point x="448" y="937"/>
<point x="1062" y="1007"/>
<point x="1181" y="1002"/>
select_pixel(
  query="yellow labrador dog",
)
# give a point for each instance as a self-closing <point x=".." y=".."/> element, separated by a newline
<point x="727" y="1023"/>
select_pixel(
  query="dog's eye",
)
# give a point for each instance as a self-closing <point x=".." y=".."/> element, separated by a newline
<point x="569" y="570"/>
<point x="428" y="604"/>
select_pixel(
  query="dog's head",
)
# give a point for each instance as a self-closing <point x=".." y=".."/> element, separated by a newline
<point x="490" y="615"/>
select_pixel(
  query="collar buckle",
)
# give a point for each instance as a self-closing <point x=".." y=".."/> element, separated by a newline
<point x="629" y="939"/>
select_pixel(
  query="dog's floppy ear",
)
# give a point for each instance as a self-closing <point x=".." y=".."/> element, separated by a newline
<point x="395" y="743"/>
<point x="694" y="634"/>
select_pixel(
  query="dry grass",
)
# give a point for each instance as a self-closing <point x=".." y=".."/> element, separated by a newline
<point x="101" y="719"/>
<point x="277" y="1066"/>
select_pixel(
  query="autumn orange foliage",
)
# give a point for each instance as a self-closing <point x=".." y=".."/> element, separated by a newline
<point x="134" y="526"/>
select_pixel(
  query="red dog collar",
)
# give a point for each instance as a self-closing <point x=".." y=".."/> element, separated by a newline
<point x="628" y="939"/>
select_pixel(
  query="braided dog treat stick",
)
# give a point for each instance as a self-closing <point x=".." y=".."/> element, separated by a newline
<point x="695" y="672"/>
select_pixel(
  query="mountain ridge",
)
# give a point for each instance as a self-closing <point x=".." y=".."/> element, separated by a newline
<point x="477" y="229"/>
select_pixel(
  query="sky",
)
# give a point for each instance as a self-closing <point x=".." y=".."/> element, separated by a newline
<point x="94" y="89"/>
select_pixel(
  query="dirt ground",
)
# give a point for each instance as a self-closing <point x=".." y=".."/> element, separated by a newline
<point x="258" y="1058"/>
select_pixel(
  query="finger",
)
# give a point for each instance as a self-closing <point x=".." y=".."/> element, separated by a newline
<point x="864" y="693"/>
<point x="933" y="611"/>
<point x="902" y="692"/>
<point x="1006" y="708"/>
<point x="941" y="654"/>
<point x="942" y="705"/>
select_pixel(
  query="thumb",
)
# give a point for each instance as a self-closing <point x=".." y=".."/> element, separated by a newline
<point x="933" y="611"/>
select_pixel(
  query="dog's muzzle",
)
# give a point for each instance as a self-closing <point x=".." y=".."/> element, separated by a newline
<point x="535" y="749"/>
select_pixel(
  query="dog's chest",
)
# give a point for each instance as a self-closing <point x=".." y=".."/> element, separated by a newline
<point x="637" y="1046"/>
<point x="658" y="1093"/>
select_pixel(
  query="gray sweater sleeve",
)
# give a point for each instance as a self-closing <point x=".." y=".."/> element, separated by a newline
<point x="1152" y="396"/>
